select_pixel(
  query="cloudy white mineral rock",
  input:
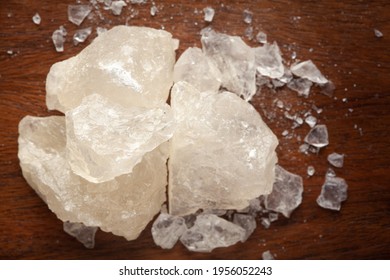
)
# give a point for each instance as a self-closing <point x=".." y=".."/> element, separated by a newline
<point x="130" y="65"/>
<point x="123" y="206"/>
<point x="222" y="154"/>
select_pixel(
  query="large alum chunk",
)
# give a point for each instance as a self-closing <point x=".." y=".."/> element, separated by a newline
<point x="105" y="140"/>
<point x="131" y="65"/>
<point x="222" y="154"/>
<point x="234" y="59"/>
<point x="123" y="206"/>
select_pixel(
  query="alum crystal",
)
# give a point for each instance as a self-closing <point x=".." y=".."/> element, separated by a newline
<point x="208" y="14"/>
<point x="335" y="159"/>
<point x="81" y="35"/>
<point x="220" y="150"/>
<point x="269" y="61"/>
<point x="308" y="70"/>
<point x="117" y="6"/>
<point x="167" y="230"/>
<point x="247" y="222"/>
<point x="77" y="13"/>
<point x="58" y="38"/>
<point x="36" y="19"/>
<point x="318" y="136"/>
<point x="333" y="192"/>
<point x="84" y="234"/>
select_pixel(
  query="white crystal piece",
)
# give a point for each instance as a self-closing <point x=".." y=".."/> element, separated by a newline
<point x="117" y="6"/>
<point x="77" y="13"/>
<point x="318" y="136"/>
<point x="210" y="232"/>
<point x="81" y="35"/>
<point x="105" y="139"/>
<point x="308" y="70"/>
<point x="261" y="37"/>
<point x="58" y="38"/>
<point x="378" y="33"/>
<point x="130" y="65"/>
<point x="167" y="230"/>
<point x="153" y="10"/>
<point x="36" y="19"/>
<point x="333" y="192"/>
<point x="302" y="86"/>
<point x="287" y="192"/>
<point x="265" y="222"/>
<point x="123" y="206"/>
<point x="234" y="59"/>
<point x="335" y="159"/>
<point x="330" y="173"/>
<point x="220" y="149"/>
<point x="269" y="61"/>
<point x="310" y="170"/>
<point x="247" y="222"/>
<point x="208" y="14"/>
<point x="248" y="15"/>
<point x="84" y="234"/>
<point x="267" y="255"/>
<point x="195" y="68"/>
<point x="311" y="121"/>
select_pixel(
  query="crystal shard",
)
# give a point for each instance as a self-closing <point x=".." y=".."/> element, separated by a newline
<point x="234" y="59"/>
<point x="267" y="255"/>
<point x="195" y="68"/>
<point x="308" y="70"/>
<point x="77" y="13"/>
<point x="130" y="65"/>
<point x="81" y="35"/>
<point x="261" y="37"/>
<point x="208" y="14"/>
<point x="36" y="19"/>
<point x="335" y="159"/>
<point x="286" y="194"/>
<point x="247" y="222"/>
<point x="84" y="234"/>
<point x="58" y="38"/>
<point x="167" y="229"/>
<point x="117" y="6"/>
<point x="105" y="140"/>
<point x="222" y="154"/>
<point x="333" y="192"/>
<point x="318" y="136"/>
<point x="123" y="206"/>
<point x="302" y="86"/>
<point x="269" y="61"/>
<point x="210" y="232"/>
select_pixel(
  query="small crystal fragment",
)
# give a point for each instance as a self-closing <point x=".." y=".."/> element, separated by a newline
<point x="117" y="6"/>
<point x="311" y="121"/>
<point x="267" y="255"/>
<point x="234" y="59"/>
<point x="248" y="15"/>
<point x="334" y="191"/>
<point x="330" y="173"/>
<point x="273" y="217"/>
<point x="84" y="234"/>
<point x="167" y="230"/>
<point x="335" y="159"/>
<point x="310" y="170"/>
<point x="261" y="37"/>
<point x="269" y="61"/>
<point x="318" y="136"/>
<point x="286" y="194"/>
<point x="378" y="33"/>
<point x="196" y="69"/>
<point x="308" y="70"/>
<point x="77" y="13"/>
<point x="153" y="10"/>
<point x="266" y="223"/>
<point x="249" y="32"/>
<point x="58" y="38"/>
<point x="105" y="139"/>
<point x="210" y="232"/>
<point x="213" y="123"/>
<point x="36" y="19"/>
<point x="81" y="35"/>
<point x="302" y="86"/>
<point x="247" y="222"/>
<point x="208" y="14"/>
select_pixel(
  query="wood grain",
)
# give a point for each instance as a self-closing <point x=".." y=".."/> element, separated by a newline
<point x="338" y="37"/>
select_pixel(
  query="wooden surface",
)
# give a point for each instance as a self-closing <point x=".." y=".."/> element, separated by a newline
<point x="338" y="37"/>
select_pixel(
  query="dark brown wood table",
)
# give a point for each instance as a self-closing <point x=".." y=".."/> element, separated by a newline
<point x="337" y="35"/>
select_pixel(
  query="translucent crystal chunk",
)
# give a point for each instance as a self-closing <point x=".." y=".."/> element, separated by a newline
<point x="311" y="121"/>
<point x="195" y="68"/>
<point x="130" y="65"/>
<point x="77" y="13"/>
<point x="261" y="37"/>
<point x="36" y="19"/>
<point x="333" y="192"/>
<point x="84" y="234"/>
<point x="219" y="150"/>
<point x="247" y="222"/>
<point x="105" y="139"/>
<point x="81" y="35"/>
<point x="310" y="170"/>
<point x="330" y="173"/>
<point x="378" y="33"/>
<point x="58" y="39"/>
<point x="335" y="159"/>
<point x="153" y="10"/>
<point x="117" y="6"/>
<point x="267" y="255"/>
<point x="269" y="61"/>
<point x="248" y="15"/>
<point x="167" y="229"/>
<point x="318" y="136"/>
<point x="308" y="70"/>
<point x="208" y="14"/>
<point x="234" y="59"/>
<point x="286" y="194"/>
<point x="123" y="206"/>
<point x="302" y="86"/>
<point x="210" y="232"/>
